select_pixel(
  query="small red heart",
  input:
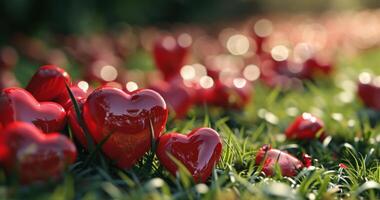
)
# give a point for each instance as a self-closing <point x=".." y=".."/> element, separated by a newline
<point x="169" y="56"/>
<point x="369" y="92"/>
<point x="17" y="104"/>
<point x="305" y="127"/>
<point x="199" y="151"/>
<point x="232" y="95"/>
<point x="176" y="95"/>
<point x="288" y="164"/>
<point x="127" y="118"/>
<point x="32" y="155"/>
<point x="48" y="83"/>
<point x="319" y="67"/>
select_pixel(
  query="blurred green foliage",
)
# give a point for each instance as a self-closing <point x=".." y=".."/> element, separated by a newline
<point x="67" y="16"/>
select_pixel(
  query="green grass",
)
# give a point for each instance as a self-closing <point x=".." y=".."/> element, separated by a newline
<point x="354" y="141"/>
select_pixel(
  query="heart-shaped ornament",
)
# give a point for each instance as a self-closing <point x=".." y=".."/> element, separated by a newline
<point x="127" y="118"/>
<point x="176" y="95"/>
<point x="32" y="155"/>
<point x="269" y="158"/>
<point x="199" y="151"/>
<point x="48" y="83"/>
<point x="369" y="90"/>
<point x="306" y="127"/>
<point x="16" y="104"/>
<point x="169" y="55"/>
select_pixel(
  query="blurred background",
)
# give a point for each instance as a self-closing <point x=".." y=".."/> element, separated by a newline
<point x="71" y="16"/>
<point x="208" y="50"/>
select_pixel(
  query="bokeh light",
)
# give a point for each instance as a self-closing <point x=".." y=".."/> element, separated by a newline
<point x="280" y="53"/>
<point x="83" y="85"/>
<point x="263" y="27"/>
<point x="206" y="82"/>
<point x="238" y="44"/>
<point x="131" y="86"/>
<point x="251" y="72"/>
<point x="108" y="73"/>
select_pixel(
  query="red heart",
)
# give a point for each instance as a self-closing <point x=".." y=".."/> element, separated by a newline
<point x="305" y="127"/>
<point x="288" y="164"/>
<point x="17" y="104"/>
<point x="369" y="92"/>
<point x="199" y="152"/>
<point x="74" y="123"/>
<point x="127" y="118"/>
<point x="176" y="95"/>
<point x="48" y="83"/>
<point x="169" y="56"/>
<point x="34" y="156"/>
<point x="233" y="95"/>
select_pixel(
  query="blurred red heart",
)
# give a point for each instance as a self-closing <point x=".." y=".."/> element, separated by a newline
<point x="32" y="155"/>
<point x="369" y="93"/>
<point x="127" y="118"/>
<point x="269" y="158"/>
<point x="48" y="83"/>
<point x="233" y="95"/>
<point x="169" y="56"/>
<point x="176" y="95"/>
<point x="199" y="151"/>
<point x="305" y="127"/>
<point x="17" y="104"/>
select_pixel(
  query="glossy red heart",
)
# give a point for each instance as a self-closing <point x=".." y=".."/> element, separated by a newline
<point x="368" y="91"/>
<point x="176" y="95"/>
<point x="269" y="158"/>
<point x="169" y="56"/>
<point x="17" y="104"/>
<point x="48" y="83"/>
<point x="127" y="118"/>
<point x="32" y="155"/>
<point x="305" y="127"/>
<point x="199" y="151"/>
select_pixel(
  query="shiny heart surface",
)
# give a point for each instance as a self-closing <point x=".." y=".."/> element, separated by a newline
<point x="34" y="156"/>
<point x="305" y="127"/>
<point x="199" y="152"/>
<point x="17" y="104"/>
<point x="48" y="83"/>
<point x="269" y="158"/>
<point x="169" y="56"/>
<point x="127" y="118"/>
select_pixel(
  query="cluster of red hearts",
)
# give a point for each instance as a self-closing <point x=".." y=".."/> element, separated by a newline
<point x="32" y="147"/>
<point x="198" y="66"/>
